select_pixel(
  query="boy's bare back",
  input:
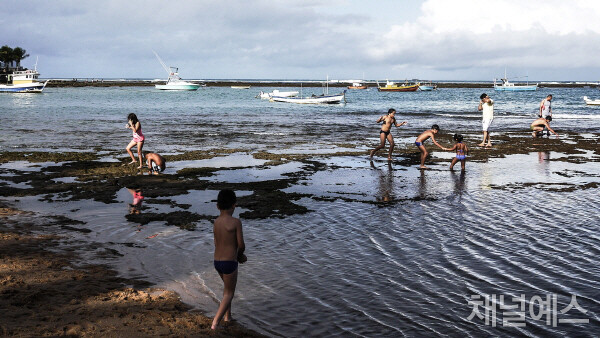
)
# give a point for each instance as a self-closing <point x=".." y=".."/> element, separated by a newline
<point x="228" y="237"/>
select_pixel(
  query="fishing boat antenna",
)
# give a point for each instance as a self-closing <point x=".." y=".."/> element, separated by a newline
<point x="162" y="63"/>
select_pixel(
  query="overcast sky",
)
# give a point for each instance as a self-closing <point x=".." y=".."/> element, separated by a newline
<point x="428" y="39"/>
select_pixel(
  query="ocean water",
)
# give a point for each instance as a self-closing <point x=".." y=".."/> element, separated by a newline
<point x="385" y="250"/>
<point x="80" y="119"/>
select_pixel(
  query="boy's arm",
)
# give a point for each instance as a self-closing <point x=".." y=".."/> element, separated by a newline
<point x="480" y="107"/>
<point x="380" y="119"/>
<point x="435" y="142"/>
<point x="401" y="124"/>
<point x="240" y="239"/>
<point x="553" y="132"/>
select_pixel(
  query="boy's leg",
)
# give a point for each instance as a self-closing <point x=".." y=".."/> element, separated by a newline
<point x="390" y="139"/>
<point x="424" y="154"/>
<point x="229" y="283"/>
<point x="381" y="145"/>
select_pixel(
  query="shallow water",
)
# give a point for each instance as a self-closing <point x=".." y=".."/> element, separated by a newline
<point x="386" y="250"/>
<point x="81" y="119"/>
<point x="408" y="266"/>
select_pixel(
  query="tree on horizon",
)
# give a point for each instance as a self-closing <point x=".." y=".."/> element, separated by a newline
<point x="9" y="55"/>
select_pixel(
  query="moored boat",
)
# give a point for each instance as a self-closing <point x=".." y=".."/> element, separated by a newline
<point x="174" y="82"/>
<point x="314" y="99"/>
<point x="358" y="85"/>
<point x="587" y="101"/>
<point x="240" y="87"/>
<point x="427" y="87"/>
<point x="508" y="86"/>
<point x="276" y="92"/>
<point x="394" y="87"/>
<point x="23" y="81"/>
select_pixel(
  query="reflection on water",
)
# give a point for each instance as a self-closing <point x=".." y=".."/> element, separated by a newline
<point x="135" y="207"/>
<point x="544" y="163"/>
<point x="459" y="182"/>
<point x="386" y="183"/>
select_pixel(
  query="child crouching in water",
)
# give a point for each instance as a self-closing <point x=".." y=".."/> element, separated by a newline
<point x="461" y="152"/>
<point x="229" y="251"/>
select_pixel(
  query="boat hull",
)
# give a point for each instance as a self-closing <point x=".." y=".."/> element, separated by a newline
<point x="412" y="88"/>
<point x="357" y="87"/>
<point x="426" y="88"/>
<point x="515" y="88"/>
<point x="23" y="88"/>
<point x="178" y="87"/>
<point x="326" y="99"/>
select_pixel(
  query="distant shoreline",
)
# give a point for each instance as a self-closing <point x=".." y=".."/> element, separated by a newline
<point x="260" y="83"/>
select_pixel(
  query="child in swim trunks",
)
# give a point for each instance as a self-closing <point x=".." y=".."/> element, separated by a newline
<point x="422" y="138"/>
<point x="461" y="152"/>
<point x="156" y="163"/>
<point x="229" y="251"/>
<point x="138" y="138"/>
<point x="385" y="132"/>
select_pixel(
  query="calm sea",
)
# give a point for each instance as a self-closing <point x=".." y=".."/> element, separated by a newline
<point x="435" y="262"/>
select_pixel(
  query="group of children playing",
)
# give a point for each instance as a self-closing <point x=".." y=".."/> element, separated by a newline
<point x="385" y="134"/>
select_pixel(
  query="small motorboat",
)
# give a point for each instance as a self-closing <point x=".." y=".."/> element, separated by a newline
<point x="595" y="102"/>
<point x="358" y="85"/>
<point x="427" y="87"/>
<point x="240" y="87"/>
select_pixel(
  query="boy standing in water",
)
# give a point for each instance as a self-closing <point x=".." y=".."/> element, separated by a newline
<point x="386" y="132"/>
<point x="422" y="138"/>
<point x="229" y="250"/>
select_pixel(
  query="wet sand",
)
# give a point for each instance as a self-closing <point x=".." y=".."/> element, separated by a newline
<point x="48" y="290"/>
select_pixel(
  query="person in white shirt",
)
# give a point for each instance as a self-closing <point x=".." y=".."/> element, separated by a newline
<point x="487" y="106"/>
<point x="546" y="107"/>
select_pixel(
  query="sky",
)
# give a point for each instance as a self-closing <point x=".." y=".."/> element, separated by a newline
<point x="470" y="40"/>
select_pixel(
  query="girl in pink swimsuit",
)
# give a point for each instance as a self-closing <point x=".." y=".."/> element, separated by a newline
<point x="138" y="138"/>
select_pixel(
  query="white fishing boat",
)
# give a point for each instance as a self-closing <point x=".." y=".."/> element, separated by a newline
<point x="174" y="82"/>
<point x="240" y="87"/>
<point x="508" y="86"/>
<point x="23" y="81"/>
<point x="595" y="102"/>
<point x="314" y="99"/>
<point x="276" y="92"/>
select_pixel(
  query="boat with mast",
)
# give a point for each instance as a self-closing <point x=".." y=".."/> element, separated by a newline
<point x="509" y="86"/>
<point x="313" y="99"/>
<point x="23" y="81"/>
<point x="174" y="82"/>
